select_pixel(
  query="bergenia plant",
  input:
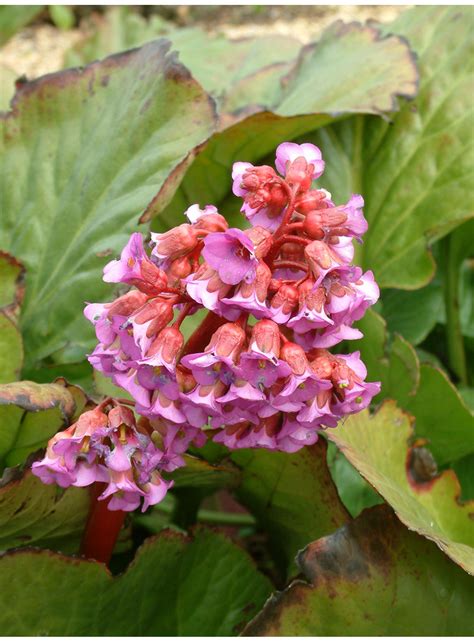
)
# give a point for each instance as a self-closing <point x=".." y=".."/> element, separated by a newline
<point x="258" y="371"/>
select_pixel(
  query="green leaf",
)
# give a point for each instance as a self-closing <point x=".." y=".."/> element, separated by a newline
<point x="393" y="362"/>
<point x="35" y="514"/>
<point x="413" y="314"/>
<point x="371" y="578"/>
<point x="13" y="18"/>
<point x="319" y="90"/>
<point x="355" y="492"/>
<point x="83" y="152"/>
<point x="414" y="172"/>
<point x="11" y="350"/>
<point x="175" y="586"/>
<point x="352" y="68"/>
<point x="217" y="63"/>
<point x="12" y="275"/>
<point x="292" y="497"/>
<point x="12" y="287"/>
<point x="200" y="474"/>
<point x="62" y="16"/>
<point x="7" y="86"/>
<point x="30" y="414"/>
<point x="442" y="416"/>
<point x="378" y="447"/>
<point x="425" y="391"/>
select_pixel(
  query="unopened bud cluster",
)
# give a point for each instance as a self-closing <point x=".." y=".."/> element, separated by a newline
<point x="257" y="371"/>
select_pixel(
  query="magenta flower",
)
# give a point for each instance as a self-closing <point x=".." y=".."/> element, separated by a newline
<point x="232" y="255"/>
<point x="288" y="152"/>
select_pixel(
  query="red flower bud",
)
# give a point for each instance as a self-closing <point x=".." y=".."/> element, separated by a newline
<point x="292" y="251"/>
<point x="176" y="242"/>
<point x="154" y="280"/>
<point x="262" y="240"/>
<point x="299" y="172"/>
<point x="159" y="311"/>
<point x="322" y="364"/>
<point x="121" y="415"/>
<point x="266" y="336"/>
<point x="168" y="344"/>
<point x="312" y="199"/>
<point x="179" y="268"/>
<point x="260" y="285"/>
<point x="212" y="222"/>
<point x="316" y="222"/>
<point x="228" y="341"/>
<point x="127" y="304"/>
<point x="286" y="297"/>
<point x="295" y="356"/>
<point x="318" y="256"/>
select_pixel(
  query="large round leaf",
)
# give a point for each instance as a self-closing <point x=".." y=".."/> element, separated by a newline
<point x="371" y="578"/>
<point x="175" y="586"/>
<point x="82" y="153"/>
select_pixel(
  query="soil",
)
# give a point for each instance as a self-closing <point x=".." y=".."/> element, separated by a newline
<point x="40" y="48"/>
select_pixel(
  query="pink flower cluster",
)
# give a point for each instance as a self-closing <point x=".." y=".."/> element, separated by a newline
<point x="257" y="371"/>
<point x="109" y="447"/>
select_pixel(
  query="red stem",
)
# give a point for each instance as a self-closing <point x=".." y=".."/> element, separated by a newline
<point x="182" y="315"/>
<point x="292" y="264"/>
<point x="102" y="528"/>
<point x="201" y="336"/>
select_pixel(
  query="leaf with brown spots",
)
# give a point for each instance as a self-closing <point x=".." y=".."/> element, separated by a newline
<point x="292" y="496"/>
<point x="371" y="578"/>
<point x="381" y="448"/>
<point x="30" y="413"/>
<point x="175" y="586"/>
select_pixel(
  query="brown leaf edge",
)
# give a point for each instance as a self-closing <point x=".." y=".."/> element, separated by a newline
<point x="10" y="309"/>
<point x="338" y="29"/>
<point x="421" y="471"/>
<point x="349" y="555"/>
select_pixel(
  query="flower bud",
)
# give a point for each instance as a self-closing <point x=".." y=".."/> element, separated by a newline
<point x="300" y="173"/>
<point x="166" y="347"/>
<point x="159" y="312"/>
<point x="154" y="280"/>
<point x="310" y="200"/>
<point x="316" y="222"/>
<point x="286" y="298"/>
<point x="179" y="268"/>
<point x="322" y="364"/>
<point x="295" y="356"/>
<point x="227" y="341"/>
<point x="176" y="242"/>
<point x="292" y="251"/>
<point x="212" y="223"/>
<point x="318" y="256"/>
<point x="260" y="284"/>
<point x="127" y="304"/>
<point x="121" y="415"/>
<point x="89" y="422"/>
<point x="262" y="240"/>
<point x="266" y="338"/>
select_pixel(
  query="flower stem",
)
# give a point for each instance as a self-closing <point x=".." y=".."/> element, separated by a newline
<point x="201" y="336"/>
<point x="102" y="528"/>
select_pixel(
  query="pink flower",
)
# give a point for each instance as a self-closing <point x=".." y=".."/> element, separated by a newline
<point x="135" y="268"/>
<point x="288" y="153"/>
<point x="232" y="255"/>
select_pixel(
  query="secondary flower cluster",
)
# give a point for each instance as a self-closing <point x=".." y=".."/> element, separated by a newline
<point x="109" y="447"/>
<point x="268" y="382"/>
